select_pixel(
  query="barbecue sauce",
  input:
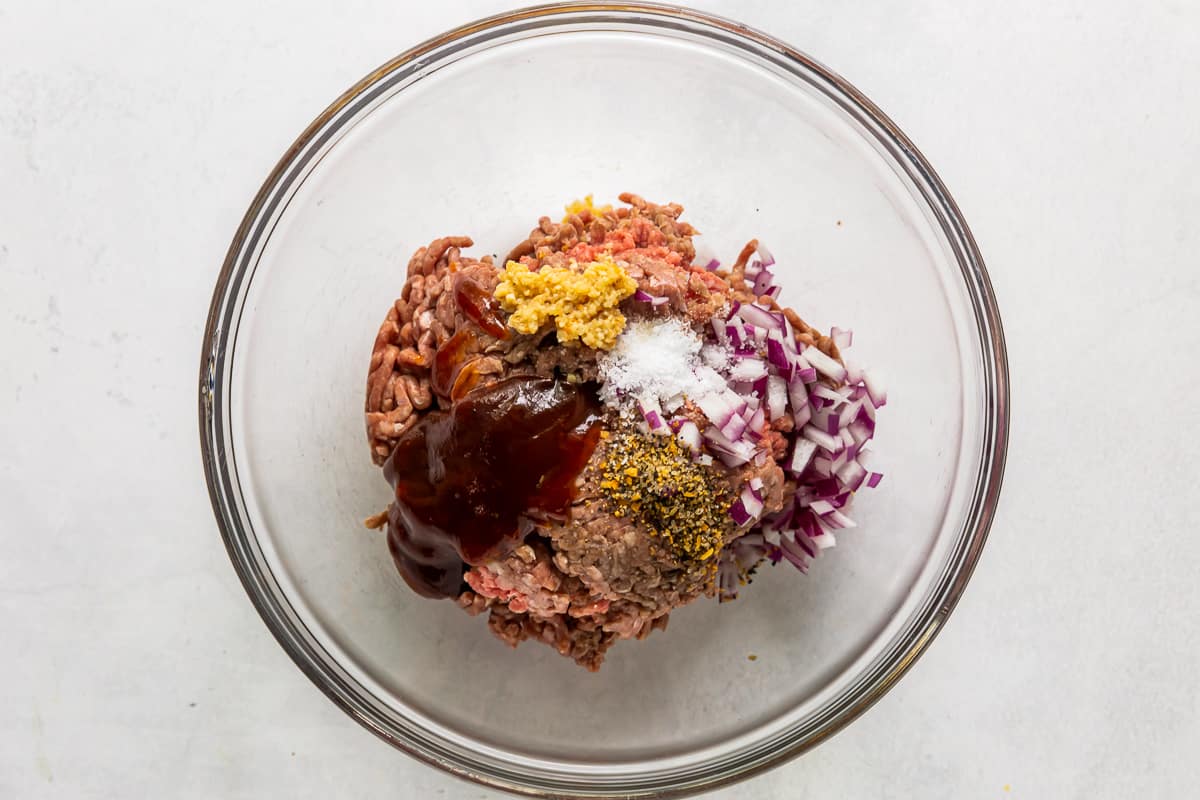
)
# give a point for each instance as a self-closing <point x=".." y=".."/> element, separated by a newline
<point x="463" y="478"/>
<point x="478" y="304"/>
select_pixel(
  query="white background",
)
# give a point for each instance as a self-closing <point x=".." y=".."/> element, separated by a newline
<point x="133" y="135"/>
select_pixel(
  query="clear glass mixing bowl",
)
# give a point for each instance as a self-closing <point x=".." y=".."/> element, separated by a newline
<point x="479" y="132"/>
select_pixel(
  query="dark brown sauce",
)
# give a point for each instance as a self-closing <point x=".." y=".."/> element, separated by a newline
<point x="464" y="477"/>
<point x="449" y="361"/>
<point x="479" y="305"/>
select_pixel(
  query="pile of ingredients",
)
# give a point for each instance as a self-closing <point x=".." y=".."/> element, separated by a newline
<point x="604" y="428"/>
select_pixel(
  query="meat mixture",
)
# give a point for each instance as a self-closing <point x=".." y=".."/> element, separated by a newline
<point x="606" y="427"/>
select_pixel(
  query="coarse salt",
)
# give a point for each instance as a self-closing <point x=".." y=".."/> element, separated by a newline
<point x="660" y="359"/>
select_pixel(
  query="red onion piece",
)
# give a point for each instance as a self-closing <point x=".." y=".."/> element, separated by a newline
<point x="759" y="317"/>
<point x="764" y="281"/>
<point x="757" y="421"/>
<point x="824" y="364"/>
<point x="749" y="369"/>
<point x="689" y="435"/>
<point x="777" y="355"/>
<point x="802" y="453"/>
<point x="875" y="388"/>
<point x="777" y="390"/>
<point x="821" y="438"/>
<point x="646" y="297"/>
<point x="767" y="258"/>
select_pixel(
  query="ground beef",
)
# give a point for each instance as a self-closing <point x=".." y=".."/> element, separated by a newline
<point x="585" y="582"/>
<point x="423" y="318"/>
<point x="527" y="596"/>
<point x="642" y="224"/>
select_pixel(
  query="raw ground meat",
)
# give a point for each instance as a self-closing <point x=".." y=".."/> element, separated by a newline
<point x="583" y="583"/>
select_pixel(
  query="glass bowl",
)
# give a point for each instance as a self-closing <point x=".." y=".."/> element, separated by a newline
<point x="479" y="132"/>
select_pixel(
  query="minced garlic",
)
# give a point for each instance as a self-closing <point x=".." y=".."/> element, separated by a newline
<point x="582" y="302"/>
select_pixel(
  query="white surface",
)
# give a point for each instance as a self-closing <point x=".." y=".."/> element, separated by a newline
<point x="131" y="141"/>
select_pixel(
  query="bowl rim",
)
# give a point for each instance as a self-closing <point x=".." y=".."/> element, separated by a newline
<point x="216" y="452"/>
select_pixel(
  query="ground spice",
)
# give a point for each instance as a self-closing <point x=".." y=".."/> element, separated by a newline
<point x="652" y="478"/>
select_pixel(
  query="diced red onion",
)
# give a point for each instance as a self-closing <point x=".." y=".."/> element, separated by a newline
<point x="689" y="435"/>
<point x="868" y="413"/>
<point x="720" y="406"/>
<point x="719" y="332"/>
<point x="796" y="561"/>
<point x="852" y="475"/>
<point x="821" y="507"/>
<point x="652" y="414"/>
<point x="764" y="281"/>
<point x="747" y="508"/>
<point x="777" y="390"/>
<point x="734" y="428"/>
<point x="802" y="453"/>
<point x="793" y="553"/>
<point x="821" y="438"/>
<point x="757" y="421"/>
<point x="770" y="535"/>
<point x="748" y="370"/>
<point x="767" y="258"/>
<point x="797" y="394"/>
<point x="839" y="459"/>
<point x="646" y="297"/>
<point x="824" y="541"/>
<point x="713" y="265"/>
<point x="837" y="520"/>
<point x="824" y="364"/>
<point x="875" y="388"/>
<point x="873" y="479"/>
<point x="759" y="317"/>
<point x="805" y="543"/>
<point x="833" y="424"/>
<point x="824" y="392"/>
<point x="732" y="453"/>
<point x="776" y="356"/>
<point x="848" y="414"/>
